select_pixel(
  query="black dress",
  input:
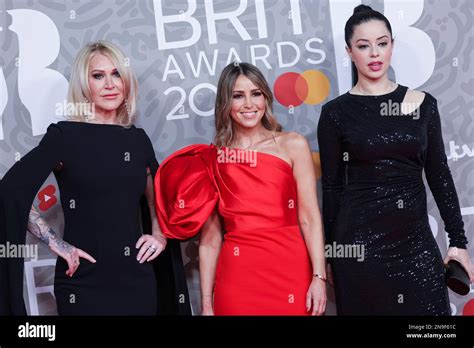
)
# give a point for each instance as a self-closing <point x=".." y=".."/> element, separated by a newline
<point x="374" y="197"/>
<point x="102" y="182"/>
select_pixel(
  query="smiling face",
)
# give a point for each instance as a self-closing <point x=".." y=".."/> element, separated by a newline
<point x="248" y="103"/>
<point x="106" y="85"/>
<point x="371" y="49"/>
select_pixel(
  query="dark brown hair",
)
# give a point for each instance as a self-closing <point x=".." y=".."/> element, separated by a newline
<point x="362" y="14"/>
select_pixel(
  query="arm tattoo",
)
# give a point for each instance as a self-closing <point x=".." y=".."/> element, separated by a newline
<point x="40" y="228"/>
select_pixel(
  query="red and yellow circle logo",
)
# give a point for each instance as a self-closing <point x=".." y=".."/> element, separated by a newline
<point x="310" y="87"/>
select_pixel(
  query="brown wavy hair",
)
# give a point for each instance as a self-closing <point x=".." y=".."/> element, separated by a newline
<point x="224" y="123"/>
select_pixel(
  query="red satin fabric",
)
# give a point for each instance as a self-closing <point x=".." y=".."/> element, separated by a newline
<point x="263" y="266"/>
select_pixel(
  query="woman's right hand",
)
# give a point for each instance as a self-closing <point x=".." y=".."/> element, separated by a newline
<point x="70" y="254"/>
<point x="41" y="229"/>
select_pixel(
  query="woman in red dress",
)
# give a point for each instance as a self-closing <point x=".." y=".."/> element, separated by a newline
<point x="257" y="185"/>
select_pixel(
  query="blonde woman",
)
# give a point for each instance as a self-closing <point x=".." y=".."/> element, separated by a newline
<point x="256" y="184"/>
<point x="104" y="166"/>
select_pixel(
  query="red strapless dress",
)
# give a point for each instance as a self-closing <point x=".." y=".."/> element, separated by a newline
<point x="263" y="267"/>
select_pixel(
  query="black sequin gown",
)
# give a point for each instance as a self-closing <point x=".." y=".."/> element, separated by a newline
<point x="374" y="197"/>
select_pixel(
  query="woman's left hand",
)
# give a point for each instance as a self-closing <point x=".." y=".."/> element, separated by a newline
<point x="150" y="245"/>
<point x="316" y="297"/>
<point x="462" y="257"/>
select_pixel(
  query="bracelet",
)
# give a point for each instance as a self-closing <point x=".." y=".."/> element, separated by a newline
<point x="320" y="277"/>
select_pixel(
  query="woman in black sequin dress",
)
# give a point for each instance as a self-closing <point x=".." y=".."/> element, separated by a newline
<point x="374" y="143"/>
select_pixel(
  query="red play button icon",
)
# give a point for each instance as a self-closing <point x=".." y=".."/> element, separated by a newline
<point x="47" y="198"/>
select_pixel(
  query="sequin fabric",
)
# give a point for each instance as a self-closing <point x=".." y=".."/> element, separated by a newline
<point x="374" y="199"/>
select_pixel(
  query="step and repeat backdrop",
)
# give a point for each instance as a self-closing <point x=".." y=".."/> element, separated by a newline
<point x="178" y="48"/>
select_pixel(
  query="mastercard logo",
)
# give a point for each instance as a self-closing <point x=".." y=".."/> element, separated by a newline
<point x="310" y="87"/>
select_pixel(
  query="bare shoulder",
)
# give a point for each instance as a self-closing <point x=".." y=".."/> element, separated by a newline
<point x="292" y="140"/>
<point x="294" y="145"/>
<point x="414" y="96"/>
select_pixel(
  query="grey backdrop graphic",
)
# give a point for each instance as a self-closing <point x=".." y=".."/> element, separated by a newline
<point x="135" y="27"/>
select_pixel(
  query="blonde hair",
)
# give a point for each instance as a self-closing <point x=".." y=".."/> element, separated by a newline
<point x="79" y="90"/>
<point x="223" y="121"/>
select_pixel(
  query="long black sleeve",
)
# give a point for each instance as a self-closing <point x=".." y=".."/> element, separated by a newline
<point x="17" y="191"/>
<point x="332" y="166"/>
<point x="440" y="180"/>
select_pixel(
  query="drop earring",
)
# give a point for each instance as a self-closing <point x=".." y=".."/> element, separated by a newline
<point x="127" y="107"/>
<point x="87" y="110"/>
